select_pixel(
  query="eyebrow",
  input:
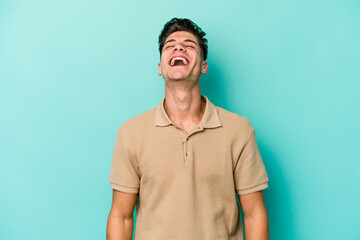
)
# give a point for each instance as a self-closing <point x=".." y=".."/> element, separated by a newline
<point x="186" y="40"/>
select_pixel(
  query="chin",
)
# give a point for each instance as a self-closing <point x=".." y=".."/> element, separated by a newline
<point x="178" y="77"/>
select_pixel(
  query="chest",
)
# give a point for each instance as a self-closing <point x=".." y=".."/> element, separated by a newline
<point x="202" y="159"/>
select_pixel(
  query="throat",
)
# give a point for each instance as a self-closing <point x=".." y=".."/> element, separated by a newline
<point x="185" y="115"/>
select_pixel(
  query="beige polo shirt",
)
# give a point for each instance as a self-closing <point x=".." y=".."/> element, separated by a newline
<point x="187" y="181"/>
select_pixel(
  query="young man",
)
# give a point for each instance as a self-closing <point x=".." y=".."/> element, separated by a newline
<point x="186" y="159"/>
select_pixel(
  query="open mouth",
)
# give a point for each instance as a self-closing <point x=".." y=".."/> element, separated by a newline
<point x="178" y="61"/>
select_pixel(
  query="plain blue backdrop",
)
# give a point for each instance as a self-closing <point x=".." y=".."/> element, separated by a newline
<point x="72" y="72"/>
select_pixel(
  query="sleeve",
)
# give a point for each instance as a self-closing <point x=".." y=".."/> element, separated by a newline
<point x="249" y="174"/>
<point x="124" y="173"/>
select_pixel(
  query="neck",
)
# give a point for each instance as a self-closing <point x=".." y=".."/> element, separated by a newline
<point x="184" y="106"/>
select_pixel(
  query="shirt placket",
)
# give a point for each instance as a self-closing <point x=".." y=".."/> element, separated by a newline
<point x="186" y="144"/>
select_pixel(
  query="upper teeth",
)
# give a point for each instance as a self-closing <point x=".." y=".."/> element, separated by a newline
<point x="178" y="58"/>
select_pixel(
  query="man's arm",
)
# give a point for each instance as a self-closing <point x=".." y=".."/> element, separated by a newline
<point x="120" y="221"/>
<point x="255" y="216"/>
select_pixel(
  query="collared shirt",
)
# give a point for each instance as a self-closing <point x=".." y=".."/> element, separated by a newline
<point x="187" y="182"/>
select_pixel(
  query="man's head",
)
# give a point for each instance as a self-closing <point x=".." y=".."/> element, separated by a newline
<point x="183" y="51"/>
<point x="186" y="25"/>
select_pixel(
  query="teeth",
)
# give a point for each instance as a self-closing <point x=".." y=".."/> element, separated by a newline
<point x="178" y="58"/>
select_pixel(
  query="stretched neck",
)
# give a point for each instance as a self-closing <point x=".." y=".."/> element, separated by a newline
<point x="184" y="105"/>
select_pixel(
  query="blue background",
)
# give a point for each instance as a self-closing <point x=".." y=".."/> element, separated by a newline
<point x="72" y="72"/>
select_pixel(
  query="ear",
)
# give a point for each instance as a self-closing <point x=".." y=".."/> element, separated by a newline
<point x="159" y="66"/>
<point x="204" y="67"/>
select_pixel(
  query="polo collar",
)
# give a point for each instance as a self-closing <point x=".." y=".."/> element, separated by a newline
<point x="210" y="119"/>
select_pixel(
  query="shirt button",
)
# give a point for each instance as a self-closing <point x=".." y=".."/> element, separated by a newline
<point x="187" y="154"/>
<point x="187" y="139"/>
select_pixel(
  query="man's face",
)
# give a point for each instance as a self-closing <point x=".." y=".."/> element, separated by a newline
<point x="181" y="58"/>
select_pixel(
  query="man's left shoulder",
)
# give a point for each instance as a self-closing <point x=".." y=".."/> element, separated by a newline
<point x="233" y="120"/>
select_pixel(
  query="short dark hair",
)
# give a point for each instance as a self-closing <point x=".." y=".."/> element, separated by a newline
<point x="183" y="24"/>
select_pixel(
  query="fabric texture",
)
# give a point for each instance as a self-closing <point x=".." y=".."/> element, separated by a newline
<point x="187" y="182"/>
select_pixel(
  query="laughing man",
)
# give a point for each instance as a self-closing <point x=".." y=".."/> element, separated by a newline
<point x="186" y="159"/>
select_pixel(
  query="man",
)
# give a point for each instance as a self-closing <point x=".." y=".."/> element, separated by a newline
<point x="186" y="159"/>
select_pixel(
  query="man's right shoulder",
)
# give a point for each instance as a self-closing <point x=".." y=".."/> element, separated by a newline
<point x="139" y="123"/>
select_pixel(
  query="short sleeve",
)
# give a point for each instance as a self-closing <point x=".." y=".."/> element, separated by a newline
<point x="249" y="173"/>
<point x="124" y="173"/>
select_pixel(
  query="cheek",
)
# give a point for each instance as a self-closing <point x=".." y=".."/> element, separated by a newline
<point x="164" y="59"/>
<point x="163" y="67"/>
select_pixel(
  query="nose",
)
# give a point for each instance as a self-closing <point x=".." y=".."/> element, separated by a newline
<point x="179" y="48"/>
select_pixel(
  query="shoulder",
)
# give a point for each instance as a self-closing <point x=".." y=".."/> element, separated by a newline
<point x="233" y="120"/>
<point x="138" y="124"/>
<point x="237" y="129"/>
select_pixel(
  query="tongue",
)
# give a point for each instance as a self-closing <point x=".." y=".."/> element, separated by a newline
<point x="179" y="63"/>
